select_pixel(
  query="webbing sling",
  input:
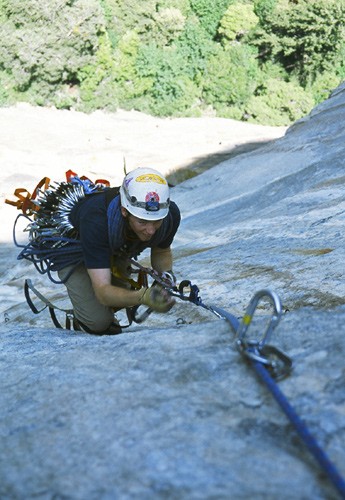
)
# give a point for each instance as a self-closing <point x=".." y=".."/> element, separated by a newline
<point x="70" y="320"/>
<point x="134" y="315"/>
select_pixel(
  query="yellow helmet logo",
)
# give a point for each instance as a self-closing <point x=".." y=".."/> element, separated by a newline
<point x="151" y="178"/>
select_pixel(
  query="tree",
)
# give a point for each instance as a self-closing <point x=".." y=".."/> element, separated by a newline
<point x="264" y="8"/>
<point x="305" y="36"/>
<point x="231" y="76"/>
<point x="168" y="25"/>
<point x="173" y="57"/>
<point x="172" y="91"/>
<point x="278" y="103"/>
<point x="237" y="21"/>
<point x="196" y="47"/>
<point x="130" y="84"/>
<point x="43" y="44"/>
<point x="210" y="13"/>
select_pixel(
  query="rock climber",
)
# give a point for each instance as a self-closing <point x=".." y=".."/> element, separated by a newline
<point x="111" y="232"/>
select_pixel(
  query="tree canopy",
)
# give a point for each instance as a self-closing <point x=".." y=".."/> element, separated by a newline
<point x="266" y="61"/>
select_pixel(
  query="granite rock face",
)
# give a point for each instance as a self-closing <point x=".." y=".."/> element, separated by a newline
<point x="170" y="409"/>
<point x="274" y="217"/>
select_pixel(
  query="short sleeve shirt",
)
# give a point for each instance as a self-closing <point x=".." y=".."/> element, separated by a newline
<point x="89" y="218"/>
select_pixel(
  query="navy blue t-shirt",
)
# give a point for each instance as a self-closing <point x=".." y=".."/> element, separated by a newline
<point x="89" y="218"/>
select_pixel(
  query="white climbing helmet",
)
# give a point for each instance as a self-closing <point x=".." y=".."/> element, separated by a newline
<point x="145" y="194"/>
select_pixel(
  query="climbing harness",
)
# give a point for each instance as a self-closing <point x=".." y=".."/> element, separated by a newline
<point x="135" y="314"/>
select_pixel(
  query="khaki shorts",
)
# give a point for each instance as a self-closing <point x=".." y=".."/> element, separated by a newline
<point x="87" y="309"/>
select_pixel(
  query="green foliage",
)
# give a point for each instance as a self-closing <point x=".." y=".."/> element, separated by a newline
<point x="232" y="111"/>
<point x="323" y="85"/>
<point x="109" y="11"/>
<point x="237" y="21"/>
<point x="231" y="77"/>
<point x="171" y="92"/>
<point x="43" y="43"/>
<point x="130" y="85"/>
<point x="210" y="13"/>
<point x="168" y="25"/>
<point x="195" y="47"/>
<point x="132" y="14"/>
<point x="264" y="9"/>
<point x="304" y="36"/>
<point x="182" y="5"/>
<point x="3" y="17"/>
<point x="7" y="94"/>
<point x="279" y="103"/>
<point x="267" y="61"/>
<point x="159" y="21"/>
<point x="97" y="80"/>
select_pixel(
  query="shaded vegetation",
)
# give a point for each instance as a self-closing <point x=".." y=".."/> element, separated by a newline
<point x="264" y="61"/>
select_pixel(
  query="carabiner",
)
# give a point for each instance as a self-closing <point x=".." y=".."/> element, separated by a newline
<point x="247" y="318"/>
<point x="276" y="361"/>
<point x="193" y="295"/>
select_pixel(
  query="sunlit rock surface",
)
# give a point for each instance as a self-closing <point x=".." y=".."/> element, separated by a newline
<point x="171" y="409"/>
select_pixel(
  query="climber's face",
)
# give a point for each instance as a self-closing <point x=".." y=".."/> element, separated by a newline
<point x="143" y="229"/>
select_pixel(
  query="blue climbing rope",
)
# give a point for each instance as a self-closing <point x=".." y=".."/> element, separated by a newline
<point x="269" y="363"/>
<point x="301" y="429"/>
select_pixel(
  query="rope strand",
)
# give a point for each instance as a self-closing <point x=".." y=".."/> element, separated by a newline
<point x="310" y="442"/>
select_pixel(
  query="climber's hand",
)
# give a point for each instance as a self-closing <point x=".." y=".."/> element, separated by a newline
<point x="157" y="298"/>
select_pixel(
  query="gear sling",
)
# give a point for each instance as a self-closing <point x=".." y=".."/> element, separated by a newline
<point x="53" y="242"/>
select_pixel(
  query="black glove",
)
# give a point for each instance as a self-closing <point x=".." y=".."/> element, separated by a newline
<point x="157" y="298"/>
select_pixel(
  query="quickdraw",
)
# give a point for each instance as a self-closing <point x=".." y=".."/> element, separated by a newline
<point x="186" y="291"/>
<point x="71" y="323"/>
